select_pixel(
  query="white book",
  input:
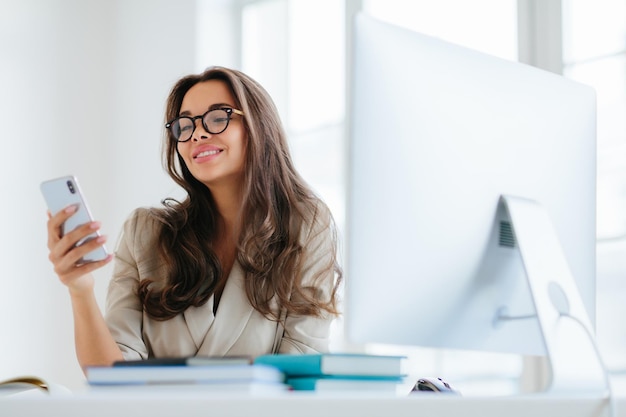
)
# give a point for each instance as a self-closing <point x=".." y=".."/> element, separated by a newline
<point x="189" y="390"/>
<point x="143" y="375"/>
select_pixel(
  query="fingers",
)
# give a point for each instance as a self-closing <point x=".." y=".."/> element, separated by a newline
<point x="66" y="252"/>
<point x="69" y="267"/>
<point x="55" y="224"/>
<point x="76" y="244"/>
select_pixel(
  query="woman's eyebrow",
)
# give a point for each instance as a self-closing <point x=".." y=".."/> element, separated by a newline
<point x="220" y="105"/>
<point x="211" y="107"/>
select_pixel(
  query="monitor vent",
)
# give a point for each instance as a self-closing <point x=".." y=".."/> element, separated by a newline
<point x="507" y="239"/>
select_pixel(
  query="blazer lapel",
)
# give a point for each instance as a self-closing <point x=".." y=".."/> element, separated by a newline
<point x="233" y="313"/>
<point x="199" y="321"/>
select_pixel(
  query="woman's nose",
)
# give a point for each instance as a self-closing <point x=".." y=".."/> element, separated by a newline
<point x="199" y="132"/>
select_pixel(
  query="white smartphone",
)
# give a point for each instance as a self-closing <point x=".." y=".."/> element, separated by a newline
<point x="60" y="193"/>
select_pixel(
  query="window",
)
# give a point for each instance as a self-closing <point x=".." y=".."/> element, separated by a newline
<point x="489" y="26"/>
<point x="594" y="52"/>
<point x="296" y="50"/>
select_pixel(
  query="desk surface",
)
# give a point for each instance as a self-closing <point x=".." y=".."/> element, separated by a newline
<point x="309" y="405"/>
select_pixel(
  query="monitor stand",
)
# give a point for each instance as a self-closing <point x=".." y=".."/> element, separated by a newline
<point x="573" y="357"/>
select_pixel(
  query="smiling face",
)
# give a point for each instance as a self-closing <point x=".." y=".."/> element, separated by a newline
<point x="216" y="160"/>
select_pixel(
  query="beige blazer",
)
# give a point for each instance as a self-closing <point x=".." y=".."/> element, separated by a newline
<point x="235" y="329"/>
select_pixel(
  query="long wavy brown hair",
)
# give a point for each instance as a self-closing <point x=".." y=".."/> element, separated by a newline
<point x="277" y="204"/>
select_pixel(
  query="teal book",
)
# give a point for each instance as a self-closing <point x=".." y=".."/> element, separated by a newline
<point x="346" y="383"/>
<point x="354" y="364"/>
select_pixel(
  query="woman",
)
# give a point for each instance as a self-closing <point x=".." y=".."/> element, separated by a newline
<point x="245" y="265"/>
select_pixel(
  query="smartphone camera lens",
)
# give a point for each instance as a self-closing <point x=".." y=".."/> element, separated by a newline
<point x="70" y="186"/>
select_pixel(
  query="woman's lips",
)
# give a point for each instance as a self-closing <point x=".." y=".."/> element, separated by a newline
<point x="206" y="152"/>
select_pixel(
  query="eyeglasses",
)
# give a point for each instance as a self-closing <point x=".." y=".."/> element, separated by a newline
<point x="214" y="121"/>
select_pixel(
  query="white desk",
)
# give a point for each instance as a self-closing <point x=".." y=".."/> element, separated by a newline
<point x="309" y="405"/>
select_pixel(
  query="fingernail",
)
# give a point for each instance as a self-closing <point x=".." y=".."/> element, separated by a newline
<point x="71" y="209"/>
<point x="94" y="225"/>
<point x="101" y="239"/>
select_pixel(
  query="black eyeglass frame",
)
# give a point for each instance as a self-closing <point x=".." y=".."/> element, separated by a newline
<point x="229" y="114"/>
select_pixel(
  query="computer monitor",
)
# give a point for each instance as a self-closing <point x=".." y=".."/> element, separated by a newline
<point x="456" y="158"/>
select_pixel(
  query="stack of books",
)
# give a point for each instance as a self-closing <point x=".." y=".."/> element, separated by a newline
<point x="187" y="375"/>
<point x="340" y="372"/>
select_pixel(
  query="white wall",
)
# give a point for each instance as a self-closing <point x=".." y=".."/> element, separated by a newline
<point x="82" y="91"/>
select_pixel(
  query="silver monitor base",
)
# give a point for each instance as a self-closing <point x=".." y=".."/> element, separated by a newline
<point x="574" y="361"/>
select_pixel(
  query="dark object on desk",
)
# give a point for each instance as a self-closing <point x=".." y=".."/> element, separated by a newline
<point x="433" y="385"/>
<point x="188" y="361"/>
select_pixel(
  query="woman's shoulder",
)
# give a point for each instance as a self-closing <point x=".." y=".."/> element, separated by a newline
<point x="137" y="246"/>
<point x="139" y="233"/>
<point x="142" y="218"/>
<point x="143" y="225"/>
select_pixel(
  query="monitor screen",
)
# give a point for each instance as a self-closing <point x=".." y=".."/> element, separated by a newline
<point x="438" y="133"/>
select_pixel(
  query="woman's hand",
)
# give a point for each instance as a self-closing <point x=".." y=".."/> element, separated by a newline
<point x="65" y="255"/>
